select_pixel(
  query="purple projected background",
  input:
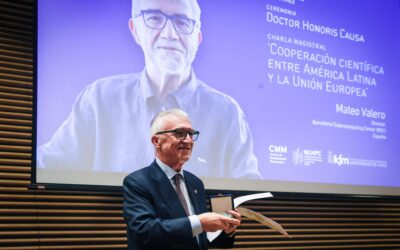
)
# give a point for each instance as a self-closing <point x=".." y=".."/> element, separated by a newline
<point x="287" y="63"/>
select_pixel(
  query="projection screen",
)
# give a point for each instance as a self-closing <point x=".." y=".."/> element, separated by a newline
<point x="288" y="95"/>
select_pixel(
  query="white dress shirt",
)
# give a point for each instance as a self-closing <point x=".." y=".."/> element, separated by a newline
<point x="194" y="219"/>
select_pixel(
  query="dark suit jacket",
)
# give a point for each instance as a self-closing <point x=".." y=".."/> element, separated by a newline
<point x="154" y="215"/>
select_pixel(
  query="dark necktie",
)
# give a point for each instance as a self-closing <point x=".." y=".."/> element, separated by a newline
<point x="178" y="179"/>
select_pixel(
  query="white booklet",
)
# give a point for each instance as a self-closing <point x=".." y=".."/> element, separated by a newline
<point x="252" y="215"/>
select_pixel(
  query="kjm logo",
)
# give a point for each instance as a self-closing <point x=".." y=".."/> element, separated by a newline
<point x="338" y="159"/>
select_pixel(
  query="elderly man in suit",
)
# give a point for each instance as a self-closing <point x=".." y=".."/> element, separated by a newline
<point x="164" y="205"/>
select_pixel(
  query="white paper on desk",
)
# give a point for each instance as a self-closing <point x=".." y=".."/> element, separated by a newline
<point x="239" y="200"/>
<point x="236" y="202"/>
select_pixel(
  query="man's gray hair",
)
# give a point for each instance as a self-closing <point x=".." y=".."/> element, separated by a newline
<point x="158" y="122"/>
<point x="196" y="9"/>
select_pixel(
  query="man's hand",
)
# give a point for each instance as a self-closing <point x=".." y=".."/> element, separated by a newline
<point x="212" y="222"/>
<point x="232" y="228"/>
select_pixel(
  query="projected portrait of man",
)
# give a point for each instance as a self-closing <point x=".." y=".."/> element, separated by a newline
<point x="107" y="128"/>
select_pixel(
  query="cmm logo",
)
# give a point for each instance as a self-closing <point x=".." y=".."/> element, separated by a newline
<point x="277" y="149"/>
<point x="338" y="159"/>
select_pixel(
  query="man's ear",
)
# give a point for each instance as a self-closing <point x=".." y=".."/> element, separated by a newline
<point x="133" y="30"/>
<point x="156" y="141"/>
<point x="199" y="38"/>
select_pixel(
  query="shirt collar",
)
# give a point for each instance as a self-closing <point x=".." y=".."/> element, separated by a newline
<point x="167" y="170"/>
<point x="182" y="95"/>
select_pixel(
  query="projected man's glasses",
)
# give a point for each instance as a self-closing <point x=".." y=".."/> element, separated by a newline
<point x="181" y="134"/>
<point x="155" y="19"/>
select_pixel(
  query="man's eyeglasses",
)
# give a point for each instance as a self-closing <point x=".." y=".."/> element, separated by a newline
<point x="181" y="134"/>
<point x="156" y="19"/>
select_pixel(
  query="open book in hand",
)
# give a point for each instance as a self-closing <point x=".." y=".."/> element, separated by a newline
<point x="252" y="215"/>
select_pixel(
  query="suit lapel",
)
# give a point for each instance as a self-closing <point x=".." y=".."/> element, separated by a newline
<point x="167" y="192"/>
<point x="170" y="197"/>
<point x="192" y="191"/>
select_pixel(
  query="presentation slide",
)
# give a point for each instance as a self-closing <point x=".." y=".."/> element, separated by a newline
<point x="288" y="95"/>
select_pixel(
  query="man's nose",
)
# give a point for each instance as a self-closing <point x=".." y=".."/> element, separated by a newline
<point x="169" y="31"/>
